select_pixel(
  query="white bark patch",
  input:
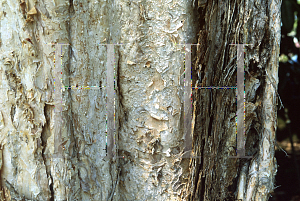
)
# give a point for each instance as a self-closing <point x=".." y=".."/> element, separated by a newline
<point x="1" y="121"/>
<point x="242" y="182"/>
<point x="149" y="31"/>
<point x="266" y="149"/>
<point x="252" y="179"/>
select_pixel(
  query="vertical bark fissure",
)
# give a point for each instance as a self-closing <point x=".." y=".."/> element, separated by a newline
<point x="70" y="55"/>
<point x="73" y="151"/>
<point x="46" y="157"/>
<point x="120" y="120"/>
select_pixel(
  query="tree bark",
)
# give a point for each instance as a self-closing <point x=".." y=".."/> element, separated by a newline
<point x="150" y="81"/>
<point x="51" y="155"/>
<point x="215" y="176"/>
<point x="33" y="165"/>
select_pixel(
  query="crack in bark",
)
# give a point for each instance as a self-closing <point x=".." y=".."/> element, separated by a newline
<point x="44" y="144"/>
<point x="118" y="119"/>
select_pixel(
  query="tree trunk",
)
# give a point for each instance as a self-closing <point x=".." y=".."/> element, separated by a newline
<point x="150" y="81"/>
<point x="33" y="165"/>
<point x="215" y="176"/>
<point x="51" y="155"/>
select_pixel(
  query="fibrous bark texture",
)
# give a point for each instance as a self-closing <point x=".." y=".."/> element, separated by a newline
<point x="30" y="168"/>
<point x="149" y="91"/>
<point x="215" y="176"/>
<point x="150" y="73"/>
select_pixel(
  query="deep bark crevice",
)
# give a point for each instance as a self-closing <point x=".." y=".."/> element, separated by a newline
<point x="44" y="138"/>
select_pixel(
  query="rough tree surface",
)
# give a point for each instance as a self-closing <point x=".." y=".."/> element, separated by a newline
<point x="215" y="176"/>
<point x="149" y="69"/>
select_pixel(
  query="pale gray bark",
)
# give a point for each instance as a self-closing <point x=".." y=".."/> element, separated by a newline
<point x="27" y="103"/>
<point x="150" y="136"/>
